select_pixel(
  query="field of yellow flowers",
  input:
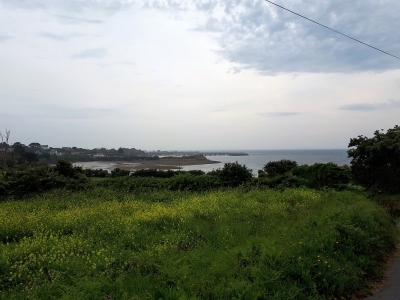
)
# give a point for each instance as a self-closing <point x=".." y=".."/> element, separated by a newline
<point x="259" y="244"/>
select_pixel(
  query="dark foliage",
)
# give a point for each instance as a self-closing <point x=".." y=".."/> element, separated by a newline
<point x="327" y="175"/>
<point x="234" y="174"/>
<point x="163" y="174"/>
<point x="39" y="179"/>
<point x="375" y="161"/>
<point x="65" y="168"/>
<point x="95" y="173"/>
<point x="117" y="172"/>
<point x="276" y="168"/>
<point x="280" y="181"/>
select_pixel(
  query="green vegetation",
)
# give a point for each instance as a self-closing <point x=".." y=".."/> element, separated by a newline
<point x="262" y="244"/>
<point x="295" y="232"/>
<point x="276" y="168"/>
<point x="376" y="161"/>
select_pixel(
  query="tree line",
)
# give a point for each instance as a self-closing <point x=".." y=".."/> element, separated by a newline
<point x="375" y="165"/>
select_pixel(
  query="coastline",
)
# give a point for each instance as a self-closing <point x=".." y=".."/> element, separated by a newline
<point x="164" y="163"/>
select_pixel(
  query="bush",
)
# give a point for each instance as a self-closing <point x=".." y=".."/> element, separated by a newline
<point x="96" y="173"/>
<point x="281" y="181"/>
<point x="327" y="175"/>
<point x="234" y="174"/>
<point x="275" y="168"/>
<point x="190" y="182"/>
<point x="163" y="174"/>
<point x="117" y="172"/>
<point x="40" y="179"/>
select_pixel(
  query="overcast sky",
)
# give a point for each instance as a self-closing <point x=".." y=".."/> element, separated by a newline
<point x="207" y="74"/>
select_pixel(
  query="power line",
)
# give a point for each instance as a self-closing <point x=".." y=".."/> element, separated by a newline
<point x="332" y="29"/>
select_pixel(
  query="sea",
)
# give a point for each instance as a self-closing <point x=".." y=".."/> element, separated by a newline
<point x="255" y="160"/>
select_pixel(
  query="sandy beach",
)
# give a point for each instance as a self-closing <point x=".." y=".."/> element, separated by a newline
<point x="164" y="163"/>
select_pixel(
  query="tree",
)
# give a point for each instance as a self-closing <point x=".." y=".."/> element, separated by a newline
<point x="375" y="161"/>
<point x="35" y="145"/>
<point x="234" y="174"/>
<point x="275" y="168"/>
<point x="5" y="145"/>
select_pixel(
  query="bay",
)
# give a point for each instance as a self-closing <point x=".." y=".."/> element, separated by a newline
<point x="258" y="158"/>
<point x="254" y="161"/>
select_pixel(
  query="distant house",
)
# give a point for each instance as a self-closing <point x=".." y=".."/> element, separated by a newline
<point x="45" y="147"/>
<point x="99" y="155"/>
<point x="67" y="148"/>
<point x="55" y="152"/>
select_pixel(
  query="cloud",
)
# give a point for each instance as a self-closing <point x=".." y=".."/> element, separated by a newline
<point x="280" y="114"/>
<point x="74" y="20"/>
<point x="256" y="35"/>
<point x="90" y="53"/>
<point x="60" y="37"/>
<point x="371" y="106"/>
<point x="71" y="5"/>
<point x="58" y="112"/>
<point x="127" y="63"/>
<point x="5" y="37"/>
<point x="270" y="40"/>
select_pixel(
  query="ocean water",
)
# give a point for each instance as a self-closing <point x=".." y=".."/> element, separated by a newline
<point x="254" y="161"/>
<point x="258" y="158"/>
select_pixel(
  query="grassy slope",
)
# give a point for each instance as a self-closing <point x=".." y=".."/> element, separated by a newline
<point x="295" y="244"/>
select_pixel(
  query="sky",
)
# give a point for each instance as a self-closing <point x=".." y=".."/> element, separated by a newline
<point x="197" y="75"/>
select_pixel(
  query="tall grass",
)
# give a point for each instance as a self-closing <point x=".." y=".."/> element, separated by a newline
<point x="262" y="244"/>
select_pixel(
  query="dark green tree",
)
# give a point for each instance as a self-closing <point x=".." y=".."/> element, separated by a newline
<point x="275" y="168"/>
<point x="375" y="161"/>
<point x="234" y="174"/>
<point x="65" y="168"/>
<point x="31" y="157"/>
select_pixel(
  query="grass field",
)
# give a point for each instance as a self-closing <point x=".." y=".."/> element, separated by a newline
<point x="262" y="244"/>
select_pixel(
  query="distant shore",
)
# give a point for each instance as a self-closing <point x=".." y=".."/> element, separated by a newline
<point x="164" y="163"/>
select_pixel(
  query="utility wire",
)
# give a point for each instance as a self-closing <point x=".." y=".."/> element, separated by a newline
<point x="332" y="29"/>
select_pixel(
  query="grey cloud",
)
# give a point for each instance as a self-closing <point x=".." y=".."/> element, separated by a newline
<point x="126" y="63"/>
<point x="74" y="20"/>
<point x="60" y="37"/>
<point x="262" y="37"/>
<point x="280" y="114"/>
<point x="56" y="112"/>
<point x="90" y="53"/>
<point x="5" y="37"/>
<point x="48" y="111"/>
<point x="71" y="5"/>
<point x="371" y="106"/>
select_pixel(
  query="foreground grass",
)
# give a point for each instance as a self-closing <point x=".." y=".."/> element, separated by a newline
<point x="295" y="244"/>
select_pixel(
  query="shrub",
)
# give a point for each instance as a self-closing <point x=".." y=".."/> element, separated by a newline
<point x="323" y="175"/>
<point x="96" y="173"/>
<point x="190" y="182"/>
<point x="117" y="172"/>
<point x="65" y="168"/>
<point x="40" y="179"/>
<point x="234" y="174"/>
<point x="275" y="168"/>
